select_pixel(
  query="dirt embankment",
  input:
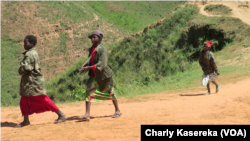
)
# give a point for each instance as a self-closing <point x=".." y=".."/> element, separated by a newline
<point x="237" y="9"/>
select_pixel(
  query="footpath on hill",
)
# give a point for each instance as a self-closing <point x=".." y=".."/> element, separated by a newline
<point x="237" y="12"/>
<point x="230" y="106"/>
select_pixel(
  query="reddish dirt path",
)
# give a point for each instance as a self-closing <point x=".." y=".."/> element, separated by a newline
<point x="237" y="12"/>
<point x="230" y="106"/>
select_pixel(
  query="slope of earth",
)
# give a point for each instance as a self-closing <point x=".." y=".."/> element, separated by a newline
<point x="239" y="9"/>
<point x="61" y="28"/>
<point x="188" y="106"/>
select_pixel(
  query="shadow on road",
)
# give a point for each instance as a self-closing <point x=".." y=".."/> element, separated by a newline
<point x="192" y="94"/>
<point x="8" y="124"/>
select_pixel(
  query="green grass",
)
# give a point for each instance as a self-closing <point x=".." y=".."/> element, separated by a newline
<point x="186" y="80"/>
<point x="162" y="58"/>
<point x="10" y="79"/>
<point x="165" y="55"/>
<point x="243" y="5"/>
<point x="68" y="86"/>
<point x="141" y="71"/>
<point x="58" y="18"/>
<point x="67" y="12"/>
<point x="133" y="15"/>
<point x="218" y="9"/>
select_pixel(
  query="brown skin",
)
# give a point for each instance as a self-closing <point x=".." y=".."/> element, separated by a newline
<point x="206" y="48"/>
<point x="27" y="45"/>
<point x="96" y="41"/>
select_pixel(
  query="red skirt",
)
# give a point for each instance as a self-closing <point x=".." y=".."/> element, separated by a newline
<point x="37" y="104"/>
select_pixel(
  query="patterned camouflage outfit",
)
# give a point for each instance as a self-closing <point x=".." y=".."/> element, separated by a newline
<point x="32" y="82"/>
<point x="32" y="87"/>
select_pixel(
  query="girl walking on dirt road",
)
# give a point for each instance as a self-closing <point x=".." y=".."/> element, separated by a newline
<point x="100" y="82"/>
<point x="208" y="65"/>
<point x="32" y="86"/>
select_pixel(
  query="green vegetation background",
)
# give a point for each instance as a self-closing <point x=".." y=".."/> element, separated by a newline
<point x="162" y="58"/>
<point x="129" y="16"/>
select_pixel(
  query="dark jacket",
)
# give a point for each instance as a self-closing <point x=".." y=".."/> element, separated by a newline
<point x="207" y="62"/>
<point x="102" y="69"/>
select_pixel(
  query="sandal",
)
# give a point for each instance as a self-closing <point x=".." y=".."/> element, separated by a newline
<point x="217" y="90"/>
<point x="116" y="115"/>
<point x="22" y="125"/>
<point x="61" y="119"/>
<point x="82" y="118"/>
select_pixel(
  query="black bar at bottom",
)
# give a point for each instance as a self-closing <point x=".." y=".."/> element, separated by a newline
<point x="164" y="132"/>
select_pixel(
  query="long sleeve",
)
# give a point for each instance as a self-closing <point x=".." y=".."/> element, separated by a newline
<point x="103" y="59"/>
<point x="200" y="60"/>
<point x="213" y="64"/>
<point x="32" y="81"/>
<point x="26" y="65"/>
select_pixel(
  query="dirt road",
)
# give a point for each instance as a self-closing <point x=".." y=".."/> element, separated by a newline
<point x="242" y="13"/>
<point x="230" y="106"/>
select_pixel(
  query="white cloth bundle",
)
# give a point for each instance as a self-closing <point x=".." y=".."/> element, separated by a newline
<point x="208" y="78"/>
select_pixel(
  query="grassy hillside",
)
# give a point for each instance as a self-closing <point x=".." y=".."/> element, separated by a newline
<point x="61" y="28"/>
<point x="164" y="56"/>
<point x="133" y="15"/>
<point x="218" y="9"/>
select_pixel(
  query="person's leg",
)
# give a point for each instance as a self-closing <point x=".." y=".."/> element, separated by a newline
<point x="115" y="102"/>
<point x="88" y="104"/>
<point x="217" y="86"/>
<point x="208" y="88"/>
<point x="117" y="110"/>
<point x="61" y="116"/>
<point x="25" y="121"/>
<point x="87" y="114"/>
<point x="24" y="107"/>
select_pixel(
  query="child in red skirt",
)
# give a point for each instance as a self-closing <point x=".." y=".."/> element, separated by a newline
<point x="34" y="98"/>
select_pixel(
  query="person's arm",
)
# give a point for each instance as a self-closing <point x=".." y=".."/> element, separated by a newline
<point x="103" y="59"/>
<point x="86" y="65"/>
<point x="200" y="60"/>
<point x="212" y="61"/>
<point x="102" y="62"/>
<point x="26" y="65"/>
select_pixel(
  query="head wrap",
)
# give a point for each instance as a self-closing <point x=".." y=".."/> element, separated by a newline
<point x="209" y="43"/>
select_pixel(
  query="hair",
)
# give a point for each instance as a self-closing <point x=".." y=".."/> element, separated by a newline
<point x="32" y="39"/>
